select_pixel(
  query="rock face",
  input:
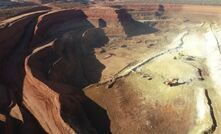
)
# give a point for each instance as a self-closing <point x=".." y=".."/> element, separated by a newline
<point x="117" y="22"/>
<point x="14" y="29"/>
<point x="106" y="17"/>
<point x="45" y="66"/>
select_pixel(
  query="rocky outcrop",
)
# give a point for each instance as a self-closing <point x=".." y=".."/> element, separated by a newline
<point x="56" y="23"/>
<point x="17" y="118"/>
<point x="105" y="17"/>
<point x="116" y="22"/>
<point x="12" y="30"/>
<point x="43" y="70"/>
<point x="47" y="58"/>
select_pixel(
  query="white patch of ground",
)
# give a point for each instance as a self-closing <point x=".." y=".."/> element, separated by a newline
<point x="201" y="105"/>
<point x="203" y="118"/>
<point x="213" y="60"/>
<point x="194" y="46"/>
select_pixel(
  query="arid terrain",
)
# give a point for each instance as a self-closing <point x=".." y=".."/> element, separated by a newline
<point x="110" y="67"/>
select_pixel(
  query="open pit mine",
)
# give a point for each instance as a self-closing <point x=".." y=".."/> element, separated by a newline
<point x="110" y="68"/>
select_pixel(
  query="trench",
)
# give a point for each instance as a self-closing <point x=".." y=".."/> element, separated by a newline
<point x="214" y="125"/>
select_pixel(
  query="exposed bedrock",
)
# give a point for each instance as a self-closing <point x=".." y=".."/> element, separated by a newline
<point x="132" y="27"/>
<point x="11" y="32"/>
<point x="17" y="119"/>
<point x="117" y="22"/>
<point x="47" y="57"/>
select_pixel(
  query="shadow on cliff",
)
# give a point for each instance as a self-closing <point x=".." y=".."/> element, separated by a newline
<point x="67" y="66"/>
<point x="71" y="65"/>
<point x="133" y="27"/>
<point x="12" y="77"/>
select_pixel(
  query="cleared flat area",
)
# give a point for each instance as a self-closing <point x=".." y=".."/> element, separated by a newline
<point x="169" y="88"/>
